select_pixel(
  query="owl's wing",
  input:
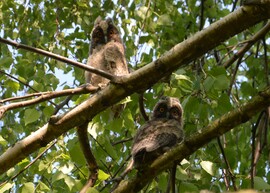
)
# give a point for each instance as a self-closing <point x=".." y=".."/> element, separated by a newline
<point x="153" y="139"/>
<point x="96" y="60"/>
<point x="157" y="134"/>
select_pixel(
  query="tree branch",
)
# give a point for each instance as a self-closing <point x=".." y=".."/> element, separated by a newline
<point x="143" y="78"/>
<point x="60" y="58"/>
<point x="232" y="176"/>
<point x="90" y="158"/>
<point x="44" y="96"/>
<point x="258" y="36"/>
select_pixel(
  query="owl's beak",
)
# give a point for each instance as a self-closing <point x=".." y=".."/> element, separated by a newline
<point x="168" y="115"/>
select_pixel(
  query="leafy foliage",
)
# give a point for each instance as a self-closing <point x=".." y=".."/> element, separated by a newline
<point x="206" y="89"/>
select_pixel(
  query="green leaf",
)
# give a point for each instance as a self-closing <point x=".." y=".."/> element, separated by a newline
<point x="3" y="141"/>
<point x="6" y="187"/>
<point x="6" y="62"/>
<point x="247" y="89"/>
<point x="11" y="172"/>
<point x="92" y="190"/>
<point x="67" y="168"/>
<point x="58" y="176"/>
<point x="42" y="166"/>
<point x="260" y="184"/>
<point x="209" y="83"/>
<point x="70" y="182"/>
<point x="164" y="19"/>
<point x="109" y="148"/>
<point x="12" y="85"/>
<point x="48" y="111"/>
<point x="221" y="82"/>
<point x="43" y="187"/>
<point x="188" y="187"/>
<point x="76" y="153"/>
<point x="30" y="116"/>
<point x="102" y="175"/>
<point x="208" y="167"/>
<point x="28" y="187"/>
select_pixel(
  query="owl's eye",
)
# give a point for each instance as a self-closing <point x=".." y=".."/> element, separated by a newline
<point x="111" y="32"/>
<point x="161" y="109"/>
<point x="99" y="34"/>
<point x="175" y="113"/>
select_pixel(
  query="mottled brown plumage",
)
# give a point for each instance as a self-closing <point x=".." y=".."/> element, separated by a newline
<point x="107" y="52"/>
<point x="160" y="133"/>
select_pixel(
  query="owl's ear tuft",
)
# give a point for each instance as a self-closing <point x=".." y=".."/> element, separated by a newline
<point x="109" y="21"/>
<point x="97" y="21"/>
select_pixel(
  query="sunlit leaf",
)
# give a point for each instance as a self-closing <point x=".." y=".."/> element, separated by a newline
<point x="102" y="175"/>
<point x="6" y="187"/>
<point x="28" y="187"/>
<point x="208" y="167"/>
<point x="2" y="140"/>
<point x="31" y="115"/>
<point x="43" y="187"/>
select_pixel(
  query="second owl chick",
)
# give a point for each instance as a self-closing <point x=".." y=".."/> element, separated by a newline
<point x="107" y="52"/>
<point x="159" y="134"/>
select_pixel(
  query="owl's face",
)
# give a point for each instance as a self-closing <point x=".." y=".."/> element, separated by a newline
<point x="169" y="108"/>
<point x="112" y="32"/>
<point x="104" y="31"/>
<point x="98" y="36"/>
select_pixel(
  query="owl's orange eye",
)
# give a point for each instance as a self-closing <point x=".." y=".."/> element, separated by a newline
<point x="99" y="34"/>
<point x="175" y="113"/>
<point x="161" y="109"/>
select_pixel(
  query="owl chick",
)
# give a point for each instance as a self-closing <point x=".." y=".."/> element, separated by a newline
<point x="107" y="52"/>
<point x="159" y="134"/>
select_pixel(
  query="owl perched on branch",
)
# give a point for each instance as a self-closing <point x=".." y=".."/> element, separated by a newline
<point x="159" y="134"/>
<point x="107" y="52"/>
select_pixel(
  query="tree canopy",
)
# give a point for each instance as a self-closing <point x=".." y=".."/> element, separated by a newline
<point x="211" y="55"/>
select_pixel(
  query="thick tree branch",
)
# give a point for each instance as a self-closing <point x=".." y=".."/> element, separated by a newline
<point x="143" y="78"/>
<point x="90" y="158"/>
<point x="197" y="140"/>
<point x="44" y="96"/>
<point x="60" y="58"/>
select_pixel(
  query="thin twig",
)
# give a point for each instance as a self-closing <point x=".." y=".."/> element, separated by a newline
<point x="102" y="147"/>
<point x="259" y="35"/>
<point x="23" y="83"/>
<point x="266" y="69"/>
<point x="254" y="129"/>
<point x="141" y="107"/>
<point x="121" y="141"/>
<point x="117" y="180"/>
<point x="201" y="14"/>
<point x="227" y="164"/>
<point x="60" y="58"/>
<point x="234" y="75"/>
<point x="31" y="163"/>
<point x="63" y="103"/>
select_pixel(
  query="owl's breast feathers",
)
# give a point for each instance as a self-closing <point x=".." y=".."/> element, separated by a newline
<point x="154" y="138"/>
<point x="114" y="53"/>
